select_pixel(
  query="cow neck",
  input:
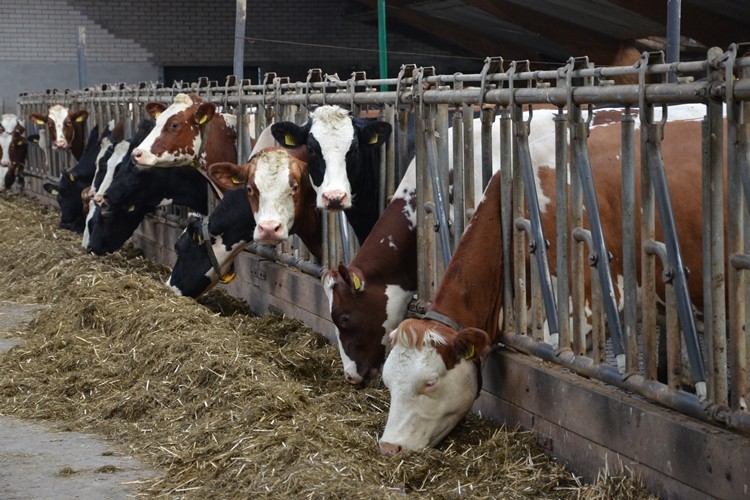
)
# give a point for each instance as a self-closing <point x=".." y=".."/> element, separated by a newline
<point x="198" y="162"/>
<point x="470" y="292"/>
<point x="206" y="236"/>
<point x="78" y="143"/>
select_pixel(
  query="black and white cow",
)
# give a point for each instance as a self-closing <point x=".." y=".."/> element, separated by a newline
<point x="135" y="192"/>
<point x="218" y="238"/>
<point x="343" y="156"/>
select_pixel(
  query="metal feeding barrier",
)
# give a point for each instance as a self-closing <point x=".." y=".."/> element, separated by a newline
<point x="455" y="121"/>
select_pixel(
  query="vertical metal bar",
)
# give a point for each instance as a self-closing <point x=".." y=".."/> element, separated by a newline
<point x="459" y="191"/>
<point x="424" y="251"/>
<point x="390" y="154"/>
<point x="648" y="262"/>
<point x="563" y="229"/>
<point x="469" y="167"/>
<point x="437" y="192"/>
<point x="443" y="139"/>
<point x="708" y="306"/>
<point x="673" y="34"/>
<point x="488" y="118"/>
<point x="519" y="237"/>
<point x="630" y="285"/>
<point x="82" y="81"/>
<point x="506" y="216"/>
<point x="240" y="19"/>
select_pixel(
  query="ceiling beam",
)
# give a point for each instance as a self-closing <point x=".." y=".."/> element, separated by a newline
<point x="577" y="40"/>
<point x="470" y="41"/>
<point x="696" y="22"/>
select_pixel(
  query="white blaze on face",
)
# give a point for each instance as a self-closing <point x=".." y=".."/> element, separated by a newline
<point x="332" y="127"/>
<point x="58" y="115"/>
<point x="427" y="400"/>
<point x="147" y="157"/>
<point x="275" y="196"/>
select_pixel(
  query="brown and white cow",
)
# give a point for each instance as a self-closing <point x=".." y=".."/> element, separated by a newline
<point x="13" y="149"/>
<point x="432" y="370"/>
<point x="67" y="128"/>
<point x="369" y="296"/>
<point x="276" y="192"/>
<point x="188" y="132"/>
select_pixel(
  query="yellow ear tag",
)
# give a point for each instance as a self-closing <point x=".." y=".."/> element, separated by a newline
<point x="156" y="114"/>
<point x="55" y="192"/>
<point x="72" y="179"/>
<point x="79" y="119"/>
<point x="19" y="143"/>
<point x="236" y="180"/>
<point x="374" y="139"/>
<point x="228" y="278"/>
<point x="356" y="282"/>
<point x="289" y="140"/>
<point x="39" y="122"/>
<point x="131" y="208"/>
<point x="203" y="120"/>
<point x="470" y="353"/>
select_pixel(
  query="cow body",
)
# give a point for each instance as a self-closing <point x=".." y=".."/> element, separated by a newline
<point x="369" y="297"/>
<point x="189" y="132"/>
<point x="343" y="160"/>
<point x="280" y="200"/>
<point x="432" y="383"/>
<point x="13" y="150"/>
<point x="66" y="128"/>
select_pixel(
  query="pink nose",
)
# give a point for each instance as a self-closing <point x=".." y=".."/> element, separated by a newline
<point x="61" y="143"/>
<point x="353" y="378"/>
<point x="137" y="153"/>
<point x="334" y="200"/>
<point x="5" y="163"/>
<point x="388" y="449"/>
<point x="269" y="230"/>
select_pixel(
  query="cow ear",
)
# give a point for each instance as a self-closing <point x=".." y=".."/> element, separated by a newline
<point x="228" y="175"/>
<point x="288" y="134"/>
<point x="471" y="344"/>
<point x="357" y="279"/>
<point x="20" y="129"/>
<point x="205" y="112"/>
<point x="80" y="116"/>
<point x="154" y="109"/>
<point x="38" y="119"/>
<point x="375" y="133"/>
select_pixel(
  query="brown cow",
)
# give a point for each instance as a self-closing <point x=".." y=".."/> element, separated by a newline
<point x="67" y="128"/>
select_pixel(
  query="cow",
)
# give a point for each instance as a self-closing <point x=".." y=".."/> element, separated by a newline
<point x="432" y="370"/>
<point x="67" y="128"/>
<point x="13" y="150"/>
<point x="280" y="198"/>
<point x="343" y="160"/>
<point x="70" y="187"/>
<point x="121" y="206"/>
<point x="189" y="132"/>
<point x="369" y="296"/>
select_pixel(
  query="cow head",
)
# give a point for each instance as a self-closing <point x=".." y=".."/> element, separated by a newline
<point x="335" y="144"/>
<point x="109" y="228"/>
<point x="432" y="373"/>
<point x="61" y="123"/>
<point x="359" y="311"/>
<point x="224" y="234"/>
<point x="277" y="187"/>
<point x="178" y="133"/>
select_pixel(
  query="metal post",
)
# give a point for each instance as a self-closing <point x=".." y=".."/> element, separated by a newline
<point x="82" y="57"/>
<point x="382" y="46"/>
<point x="239" y="39"/>
<point x="673" y="35"/>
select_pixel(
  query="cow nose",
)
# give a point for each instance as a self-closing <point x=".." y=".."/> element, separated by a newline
<point x="334" y="200"/>
<point x="269" y="230"/>
<point x="388" y="449"/>
<point x="61" y="143"/>
<point x="136" y="154"/>
<point x="353" y="378"/>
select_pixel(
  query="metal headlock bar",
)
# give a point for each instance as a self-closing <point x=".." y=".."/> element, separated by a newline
<point x="498" y="93"/>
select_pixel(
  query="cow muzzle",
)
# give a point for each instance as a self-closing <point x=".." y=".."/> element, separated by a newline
<point x="60" y="144"/>
<point x="335" y="200"/>
<point x="389" y="449"/>
<point x="269" y="232"/>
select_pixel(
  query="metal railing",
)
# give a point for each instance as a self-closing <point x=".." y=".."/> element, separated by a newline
<point x="503" y="95"/>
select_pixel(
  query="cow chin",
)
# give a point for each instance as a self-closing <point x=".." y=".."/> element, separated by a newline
<point x="419" y="419"/>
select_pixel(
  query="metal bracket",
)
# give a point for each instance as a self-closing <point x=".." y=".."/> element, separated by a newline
<point x="492" y="66"/>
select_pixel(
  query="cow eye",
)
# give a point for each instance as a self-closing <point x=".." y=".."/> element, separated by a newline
<point x="430" y="385"/>
<point x="174" y="126"/>
<point x="295" y="187"/>
<point x="68" y="122"/>
<point x="344" y="320"/>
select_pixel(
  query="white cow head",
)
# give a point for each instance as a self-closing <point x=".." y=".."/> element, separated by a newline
<point x="432" y="373"/>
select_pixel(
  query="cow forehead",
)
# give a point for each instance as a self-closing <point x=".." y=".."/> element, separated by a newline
<point x="271" y="173"/>
<point x="9" y="122"/>
<point x="58" y="113"/>
<point x="173" y="110"/>
<point x="334" y="134"/>
<point x="407" y="365"/>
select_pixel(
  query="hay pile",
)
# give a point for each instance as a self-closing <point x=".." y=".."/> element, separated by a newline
<point x="224" y="403"/>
